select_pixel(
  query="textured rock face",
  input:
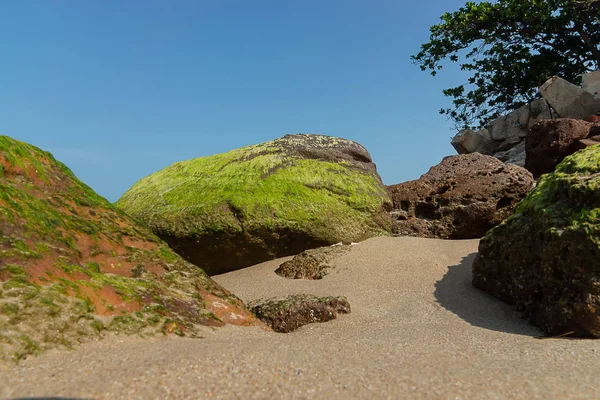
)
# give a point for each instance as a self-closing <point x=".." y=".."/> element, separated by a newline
<point x="545" y="258"/>
<point x="73" y="267"/>
<point x="550" y="141"/>
<point x="290" y="313"/>
<point x="278" y="198"/>
<point x="504" y="137"/>
<point x="460" y="198"/>
<point x="311" y="264"/>
<point x="568" y="100"/>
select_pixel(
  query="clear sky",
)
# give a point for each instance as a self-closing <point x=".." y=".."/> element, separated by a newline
<point x="120" y="89"/>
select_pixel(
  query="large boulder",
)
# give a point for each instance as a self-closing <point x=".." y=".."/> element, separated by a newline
<point x="470" y="141"/>
<point x="549" y="141"/>
<point x="460" y="198"/>
<point x="569" y="100"/>
<point x="73" y="267"/>
<point x="545" y="258"/>
<point x="274" y="199"/>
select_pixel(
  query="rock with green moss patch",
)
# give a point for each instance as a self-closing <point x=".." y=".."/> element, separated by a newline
<point x="290" y="313"/>
<point x="274" y="199"/>
<point x="545" y="258"/>
<point x="312" y="264"/>
<point x="73" y="266"/>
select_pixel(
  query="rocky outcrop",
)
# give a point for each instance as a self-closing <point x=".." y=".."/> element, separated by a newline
<point x="545" y="258"/>
<point x="290" y="313"/>
<point x="505" y="137"/>
<point x="460" y="198"/>
<point x="550" y="141"/>
<point x="312" y="264"/>
<point x="275" y="199"/>
<point x="73" y="267"/>
<point x="568" y="100"/>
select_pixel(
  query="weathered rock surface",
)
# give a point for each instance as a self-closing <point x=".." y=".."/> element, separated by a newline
<point x="312" y="264"/>
<point x="545" y="258"/>
<point x="590" y="82"/>
<point x="515" y="155"/>
<point x="569" y="100"/>
<point x="73" y="267"/>
<point x="512" y="128"/>
<point x="460" y="198"/>
<point x="550" y="141"/>
<point x="274" y="199"/>
<point x="470" y="141"/>
<point x="504" y="137"/>
<point x="290" y="313"/>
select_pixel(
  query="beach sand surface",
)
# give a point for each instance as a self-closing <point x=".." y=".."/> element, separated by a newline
<point x="418" y="330"/>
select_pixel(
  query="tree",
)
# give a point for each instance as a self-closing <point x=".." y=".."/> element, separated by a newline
<point x="511" y="47"/>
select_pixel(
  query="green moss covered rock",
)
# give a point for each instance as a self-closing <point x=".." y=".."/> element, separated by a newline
<point x="274" y="199"/>
<point x="73" y="266"/>
<point x="546" y="257"/>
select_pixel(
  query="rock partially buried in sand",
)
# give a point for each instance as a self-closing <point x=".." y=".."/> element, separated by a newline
<point x="460" y="198"/>
<point x="311" y="264"/>
<point x="72" y="266"/>
<point x="275" y="199"/>
<point x="545" y="258"/>
<point x="290" y="313"/>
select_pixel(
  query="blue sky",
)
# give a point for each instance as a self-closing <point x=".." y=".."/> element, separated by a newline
<point x="117" y="90"/>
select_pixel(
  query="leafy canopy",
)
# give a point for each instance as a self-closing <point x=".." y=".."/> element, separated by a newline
<point x="510" y="47"/>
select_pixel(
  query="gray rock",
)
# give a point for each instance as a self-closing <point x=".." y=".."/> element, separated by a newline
<point x="569" y="100"/>
<point x="591" y="83"/>
<point x="512" y="128"/>
<point x="468" y="141"/>
<point x="515" y="155"/>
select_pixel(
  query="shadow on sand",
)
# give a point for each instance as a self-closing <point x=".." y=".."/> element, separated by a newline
<point x="456" y="294"/>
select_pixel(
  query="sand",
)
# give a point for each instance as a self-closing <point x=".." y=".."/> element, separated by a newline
<point x="418" y="329"/>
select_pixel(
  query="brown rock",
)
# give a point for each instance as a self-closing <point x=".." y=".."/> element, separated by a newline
<point x="593" y="118"/>
<point x="462" y="197"/>
<point x="583" y="143"/>
<point x="549" y="141"/>
<point x="292" y="312"/>
<point x="311" y="264"/>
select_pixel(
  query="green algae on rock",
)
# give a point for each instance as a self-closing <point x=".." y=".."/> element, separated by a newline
<point x="73" y="266"/>
<point x="278" y="198"/>
<point x="546" y="257"/>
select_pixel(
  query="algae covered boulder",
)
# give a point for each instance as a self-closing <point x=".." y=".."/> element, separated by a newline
<point x="546" y="257"/>
<point x="73" y="267"/>
<point x="274" y="199"/>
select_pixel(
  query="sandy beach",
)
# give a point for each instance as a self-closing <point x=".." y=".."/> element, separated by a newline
<point x="418" y="329"/>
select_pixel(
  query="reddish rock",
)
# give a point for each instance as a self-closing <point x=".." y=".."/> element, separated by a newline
<point x="73" y="267"/>
<point x="461" y="198"/>
<point x="593" y="118"/>
<point x="549" y="141"/>
<point x="583" y="143"/>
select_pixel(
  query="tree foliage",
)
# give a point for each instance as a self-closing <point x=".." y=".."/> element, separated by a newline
<point x="510" y="47"/>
